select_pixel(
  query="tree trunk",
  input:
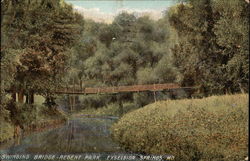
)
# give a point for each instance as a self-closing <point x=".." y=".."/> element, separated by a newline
<point x="27" y="98"/>
<point x="20" y="96"/>
<point x="31" y="97"/>
<point x="13" y="95"/>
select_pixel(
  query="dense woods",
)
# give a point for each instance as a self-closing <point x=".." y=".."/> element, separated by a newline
<point x="198" y="43"/>
<point x="129" y="51"/>
<point x="213" y="44"/>
<point x="46" y="45"/>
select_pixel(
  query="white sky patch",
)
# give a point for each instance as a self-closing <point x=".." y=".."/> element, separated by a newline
<point x="98" y="16"/>
<point x="95" y="14"/>
<point x="152" y="13"/>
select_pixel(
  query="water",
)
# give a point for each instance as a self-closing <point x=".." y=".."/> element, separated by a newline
<point x="78" y="135"/>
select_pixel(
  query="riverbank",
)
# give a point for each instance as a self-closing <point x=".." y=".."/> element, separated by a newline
<point x="79" y="135"/>
<point x="213" y="128"/>
<point x="28" y="123"/>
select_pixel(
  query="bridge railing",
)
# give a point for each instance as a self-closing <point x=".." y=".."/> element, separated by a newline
<point x="133" y="88"/>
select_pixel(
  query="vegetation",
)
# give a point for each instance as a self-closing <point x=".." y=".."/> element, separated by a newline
<point x="28" y="117"/>
<point x="213" y="128"/>
<point x="7" y="131"/>
<point x="189" y="46"/>
<point x="110" y="110"/>
<point x="35" y="40"/>
<point x="213" y="43"/>
<point x="131" y="50"/>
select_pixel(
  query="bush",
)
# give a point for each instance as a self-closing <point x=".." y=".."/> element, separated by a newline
<point x="6" y="130"/>
<point x="53" y="112"/>
<point x="111" y="110"/>
<point x="213" y="128"/>
<point x="23" y="114"/>
<point x="143" y="98"/>
<point x="94" y="101"/>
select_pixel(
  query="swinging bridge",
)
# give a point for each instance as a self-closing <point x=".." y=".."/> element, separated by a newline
<point x="120" y="89"/>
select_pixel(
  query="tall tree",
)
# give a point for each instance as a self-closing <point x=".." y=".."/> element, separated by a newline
<point x="199" y="53"/>
<point x="44" y="30"/>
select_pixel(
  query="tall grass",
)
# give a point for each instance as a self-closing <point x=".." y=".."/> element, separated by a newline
<point x="213" y="128"/>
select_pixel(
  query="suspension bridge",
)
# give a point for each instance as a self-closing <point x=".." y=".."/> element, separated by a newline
<point x="73" y="91"/>
<point x="119" y="89"/>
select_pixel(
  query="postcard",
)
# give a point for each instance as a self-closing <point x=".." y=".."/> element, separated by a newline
<point x="124" y="80"/>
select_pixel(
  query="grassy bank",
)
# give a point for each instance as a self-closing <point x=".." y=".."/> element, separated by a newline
<point x="28" y="118"/>
<point x="213" y="128"/>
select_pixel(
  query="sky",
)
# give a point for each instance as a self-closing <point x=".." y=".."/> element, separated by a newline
<point x="106" y="10"/>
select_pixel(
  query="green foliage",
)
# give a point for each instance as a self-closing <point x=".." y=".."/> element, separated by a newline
<point x="43" y="32"/>
<point x="145" y="76"/>
<point x="213" y="128"/>
<point x="94" y="101"/>
<point x="26" y="115"/>
<point x="9" y="61"/>
<point x="142" y="99"/>
<point x="129" y="51"/>
<point x="6" y="130"/>
<point x="46" y="113"/>
<point x="212" y="40"/>
<point x="232" y="34"/>
<point x="125" y="51"/>
<point x="111" y="109"/>
<point x="22" y="114"/>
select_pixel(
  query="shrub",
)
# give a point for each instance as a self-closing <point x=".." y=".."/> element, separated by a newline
<point x="46" y="112"/>
<point x="111" y="110"/>
<point x="94" y="101"/>
<point x="143" y="98"/>
<point x="213" y="128"/>
<point x="6" y="130"/>
<point x="24" y="114"/>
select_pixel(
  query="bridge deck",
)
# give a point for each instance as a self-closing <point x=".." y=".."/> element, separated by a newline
<point x="119" y="89"/>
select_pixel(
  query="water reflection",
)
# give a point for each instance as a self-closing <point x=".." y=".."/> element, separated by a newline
<point x="79" y="135"/>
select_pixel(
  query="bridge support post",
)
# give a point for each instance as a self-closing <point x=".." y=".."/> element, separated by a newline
<point x="72" y="102"/>
<point x="155" y="96"/>
<point x="120" y="105"/>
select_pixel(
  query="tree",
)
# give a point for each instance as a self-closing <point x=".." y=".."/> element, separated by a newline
<point x="232" y="35"/>
<point x="45" y="32"/>
<point x="199" y="54"/>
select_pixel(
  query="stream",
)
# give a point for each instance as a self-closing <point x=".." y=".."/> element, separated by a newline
<point x="79" y="135"/>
